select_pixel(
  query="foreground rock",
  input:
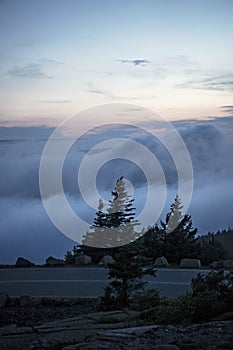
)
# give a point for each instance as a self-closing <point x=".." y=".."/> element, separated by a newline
<point x="161" y="262"/>
<point x="22" y="262"/>
<point x="59" y="332"/>
<point x="113" y="330"/>
<point x="209" y="336"/>
<point x="190" y="263"/>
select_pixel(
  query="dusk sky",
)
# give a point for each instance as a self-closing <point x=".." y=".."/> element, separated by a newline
<point x="59" y="57"/>
<point x="127" y="59"/>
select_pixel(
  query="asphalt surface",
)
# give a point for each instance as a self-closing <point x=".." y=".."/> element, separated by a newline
<point x="85" y="282"/>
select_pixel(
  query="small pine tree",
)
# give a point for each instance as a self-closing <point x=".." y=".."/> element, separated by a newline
<point x="69" y="258"/>
<point x="125" y="273"/>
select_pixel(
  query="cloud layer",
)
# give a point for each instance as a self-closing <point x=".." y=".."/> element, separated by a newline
<point x="25" y="227"/>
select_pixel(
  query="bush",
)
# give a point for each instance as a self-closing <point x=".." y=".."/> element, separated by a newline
<point x="149" y="299"/>
<point x="109" y="302"/>
<point x="201" y="307"/>
<point x="212" y="296"/>
<point x="166" y="312"/>
<point x="219" y="282"/>
<point x="184" y="310"/>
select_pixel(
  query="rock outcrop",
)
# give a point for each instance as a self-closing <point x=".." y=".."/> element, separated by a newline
<point x="161" y="262"/>
<point x="51" y="261"/>
<point x="190" y="263"/>
<point x="83" y="259"/>
<point x="87" y="332"/>
<point x="107" y="259"/>
<point x="22" y="262"/>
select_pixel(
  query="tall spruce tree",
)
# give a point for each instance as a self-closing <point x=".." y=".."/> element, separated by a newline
<point x="120" y="210"/>
<point x="178" y="235"/>
<point x="115" y="226"/>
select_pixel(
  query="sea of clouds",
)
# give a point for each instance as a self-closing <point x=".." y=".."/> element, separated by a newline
<point x="26" y="229"/>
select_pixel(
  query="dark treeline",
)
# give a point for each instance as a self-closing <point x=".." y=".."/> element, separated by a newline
<point x="174" y="238"/>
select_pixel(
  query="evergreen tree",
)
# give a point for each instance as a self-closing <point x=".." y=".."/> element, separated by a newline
<point x="100" y="219"/>
<point x="153" y="242"/>
<point x="96" y="236"/>
<point x="69" y="258"/>
<point x="115" y="226"/>
<point x="125" y="273"/>
<point x="211" y="249"/>
<point x="120" y="210"/>
<point x="178" y="235"/>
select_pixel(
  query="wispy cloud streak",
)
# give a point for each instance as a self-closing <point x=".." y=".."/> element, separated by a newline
<point x="29" y="71"/>
<point x="137" y="62"/>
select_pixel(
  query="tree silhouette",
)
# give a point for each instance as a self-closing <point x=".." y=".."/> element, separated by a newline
<point x="126" y="275"/>
<point x="153" y="242"/>
<point x="178" y="234"/>
<point x="116" y="226"/>
<point x="174" y="238"/>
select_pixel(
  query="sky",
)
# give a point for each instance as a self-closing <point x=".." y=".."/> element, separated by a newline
<point x="59" y="58"/>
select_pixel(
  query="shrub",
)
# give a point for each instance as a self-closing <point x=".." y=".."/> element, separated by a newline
<point x="201" y="307"/>
<point x="167" y="311"/>
<point x="218" y="282"/>
<point x="212" y="296"/>
<point x="149" y="299"/>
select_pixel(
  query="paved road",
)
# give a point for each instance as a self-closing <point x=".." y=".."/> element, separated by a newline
<point x="84" y="282"/>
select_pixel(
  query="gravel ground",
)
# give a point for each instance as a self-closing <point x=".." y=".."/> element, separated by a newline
<point x="45" y="310"/>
